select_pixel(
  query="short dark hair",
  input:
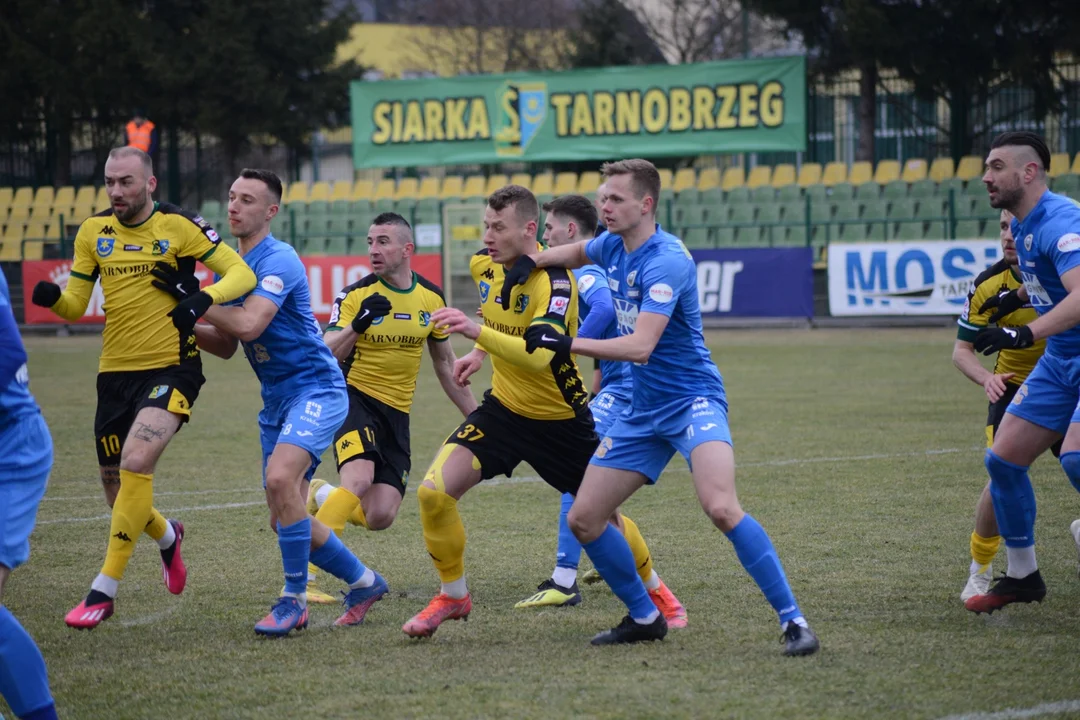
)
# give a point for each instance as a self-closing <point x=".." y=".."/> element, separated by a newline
<point x="521" y="198"/>
<point x="1024" y="137"/>
<point x="268" y="178"/>
<point x="391" y="218"/>
<point x="577" y="208"/>
<point x="646" y="179"/>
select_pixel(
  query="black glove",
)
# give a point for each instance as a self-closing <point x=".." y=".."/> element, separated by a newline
<point x="189" y="310"/>
<point x="991" y="340"/>
<point x="518" y="274"/>
<point x="1006" y="304"/>
<point x="46" y="294"/>
<point x="374" y="307"/>
<point x="180" y="285"/>
<point x="546" y="337"/>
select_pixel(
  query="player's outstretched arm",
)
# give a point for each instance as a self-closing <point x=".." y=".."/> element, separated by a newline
<point x="442" y="356"/>
<point x="215" y="342"/>
<point x="71" y="303"/>
<point x="636" y="347"/>
<point x="509" y="348"/>
<point x="236" y="278"/>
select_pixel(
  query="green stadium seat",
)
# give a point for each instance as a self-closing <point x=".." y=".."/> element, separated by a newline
<point x="691" y="215"/>
<point x="748" y="236"/>
<point x="712" y="197"/>
<point x="768" y="213"/>
<point x="384" y="204"/>
<point x="923" y="189"/>
<point x="842" y="191"/>
<point x="340" y="207"/>
<point x="718" y="214"/>
<point x="319" y="224"/>
<point x="792" y="212"/>
<point x="875" y="232"/>
<point x="1067" y="184"/>
<point x="975" y="187"/>
<point x="932" y="209"/>
<point x="696" y="237"/>
<point x="794" y="237"/>
<point x="739" y="194"/>
<point x="317" y="207"/>
<point x="724" y="236"/>
<point x="426" y="216"/>
<point x="868" y="191"/>
<point x="968" y="230"/>
<point x="956" y="185"/>
<point x="337" y="245"/>
<point x="895" y="189"/>
<point x="742" y="213"/>
<point x="910" y="231"/>
<point x="763" y="194"/>
<point x="689" y="196"/>
<point x="817" y="193"/>
<point x="787" y="193"/>
<point x="210" y="209"/>
<point x="874" y="210"/>
<point x="901" y="209"/>
<point x="313" y="245"/>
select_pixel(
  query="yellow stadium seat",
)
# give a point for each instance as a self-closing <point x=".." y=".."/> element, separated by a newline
<point x="19" y="214"/>
<point x="887" y="171"/>
<point x="1075" y="171"/>
<point x="362" y="190"/>
<point x="783" y="174"/>
<point x="102" y="202"/>
<point x="44" y="197"/>
<point x="835" y="172"/>
<point x="565" y="183"/>
<point x="320" y="191"/>
<point x="298" y="192"/>
<point x="494" y="182"/>
<point x="543" y="184"/>
<point x="13" y="233"/>
<point x="65" y="197"/>
<point x="861" y="173"/>
<point x="429" y="188"/>
<point x="942" y="169"/>
<point x="474" y="187"/>
<point x="522" y="179"/>
<point x="33" y="250"/>
<point x="24" y="197"/>
<point x="1059" y="164"/>
<point x="971" y="166"/>
<point x="588" y="182"/>
<point x="452" y="186"/>
<point x="759" y="177"/>
<point x="666" y="179"/>
<point x="6" y="194"/>
<point x="81" y="211"/>
<point x="384" y="190"/>
<point x="914" y="170"/>
<point x="84" y="196"/>
<point x="733" y="177"/>
<point x="342" y="190"/>
<point x="36" y="230"/>
<point x="10" y="250"/>
<point x="40" y="213"/>
<point x="810" y="174"/>
<point x="708" y="179"/>
<point x="685" y="179"/>
<point x="407" y="189"/>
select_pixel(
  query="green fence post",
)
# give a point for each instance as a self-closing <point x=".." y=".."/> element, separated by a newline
<point x="950" y="231"/>
<point x="807" y="220"/>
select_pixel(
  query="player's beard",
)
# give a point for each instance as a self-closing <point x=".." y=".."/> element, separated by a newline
<point x="1008" y="198"/>
<point x="133" y="209"/>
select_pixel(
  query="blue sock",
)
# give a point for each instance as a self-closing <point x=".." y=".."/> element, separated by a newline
<point x="295" y="543"/>
<point x="758" y="556"/>
<point x="23" y="680"/>
<point x="1070" y="463"/>
<point x="1014" y="500"/>
<point x="568" y="554"/>
<point x="611" y="555"/>
<point x="338" y="560"/>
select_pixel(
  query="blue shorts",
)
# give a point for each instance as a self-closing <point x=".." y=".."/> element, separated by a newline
<point x="26" y="455"/>
<point x="606" y="409"/>
<point x="308" y="421"/>
<point x="1048" y="398"/>
<point x="646" y="442"/>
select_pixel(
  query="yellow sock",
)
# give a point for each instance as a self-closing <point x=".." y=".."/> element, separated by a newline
<point x="130" y="514"/>
<point x="983" y="549"/>
<point x="155" y="528"/>
<point x="312" y="570"/>
<point x="358" y="517"/>
<point x="339" y="505"/>
<point x="444" y="533"/>
<point x="642" y="558"/>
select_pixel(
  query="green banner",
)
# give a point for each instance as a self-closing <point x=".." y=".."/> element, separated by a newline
<point x="604" y="114"/>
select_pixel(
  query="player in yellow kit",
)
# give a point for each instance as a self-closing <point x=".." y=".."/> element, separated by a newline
<point x="150" y="370"/>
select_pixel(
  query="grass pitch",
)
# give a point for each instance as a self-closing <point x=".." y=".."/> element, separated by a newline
<point x="859" y="452"/>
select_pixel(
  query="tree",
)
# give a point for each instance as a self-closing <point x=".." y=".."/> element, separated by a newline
<point x="607" y="33"/>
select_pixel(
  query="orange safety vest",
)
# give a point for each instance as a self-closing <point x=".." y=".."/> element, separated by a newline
<point x="140" y="135"/>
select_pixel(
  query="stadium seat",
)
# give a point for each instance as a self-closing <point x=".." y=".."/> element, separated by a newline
<point x="930" y="209"/>
<point x="684" y="215"/>
<point x="791" y="192"/>
<point x="210" y="209"/>
<point x="341" y="190"/>
<point x="874" y="210"/>
<point x="868" y="191"/>
<point x="102" y="201"/>
<point x="522" y="179"/>
<point x="81" y="211"/>
<point x="6" y="195"/>
<point x="759" y="177"/>
<point x="666" y="178"/>
<point x="713" y="197"/>
<point x="44" y="198"/>
<point x="494" y="182"/>
<point x="861" y="173"/>
<point x="886" y="171"/>
<point x="783" y="174"/>
<point x="312" y="245"/>
<point x="923" y="188"/>
<point x="363" y="190"/>
<point x="835" y="172"/>
<point x="474" y="187"/>
<point x="37" y="230"/>
<point x="429" y="188"/>
<point x="911" y="230"/>
<point x="384" y="190"/>
<point x="794" y="212"/>
<point x="337" y="245"/>
<point x="1059" y="164"/>
<point x="901" y="209"/>
<point x="742" y="214"/>
<point x="968" y="230"/>
<point x="817" y="193"/>
<point x="718" y="214"/>
<point x="942" y="169"/>
<point x="738" y="194"/>
<point x="10" y="250"/>
<point x="914" y="170"/>
<point x="809" y="174"/>
<point x="24" y="197"/>
<point x="588" y="182"/>
<point x="763" y="193"/>
<point x="708" y="179"/>
<point x="40" y="213"/>
<point x="319" y="191"/>
<point x="407" y="189"/>
<point x="1066" y="183"/>
<point x="697" y="237"/>
<point x="65" y="197"/>
<point x="298" y="193"/>
<point x="794" y="236"/>
<point x="18" y="215"/>
<point x="723" y="236"/>
<point x="894" y="189"/>
<point x="452" y="187"/>
<point x="565" y="183"/>
<point x="733" y="177"/>
<point x="543" y="184"/>
<point x="684" y="179"/>
<point x="971" y="166"/>
<point x="954" y="185"/>
<point x="1075" y="170"/>
<point x="33" y="250"/>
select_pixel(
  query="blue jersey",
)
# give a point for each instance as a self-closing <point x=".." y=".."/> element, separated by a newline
<point x="614" y="374"/>
<point x="1048" y="244"/>
<point x="660" y="277"/>
<point x="290" y="356"/>
<point x="15" y="398"/>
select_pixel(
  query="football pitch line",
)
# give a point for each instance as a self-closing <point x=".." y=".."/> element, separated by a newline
<point x="1055" y="708"/>
<point x="487" y="483"/>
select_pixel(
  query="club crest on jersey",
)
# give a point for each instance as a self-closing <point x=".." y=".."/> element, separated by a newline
<point x="159" y="391"/>
<point x="484" y="290"/>
<point x="378" y="320"/>
<point x="630" y="278"/>
<point x="105" y="246"/>
<point x="521" y="304"/>
<point x="1027" y="242"/>
<point x="160" y="247"/>
<point x="425" y="318"/>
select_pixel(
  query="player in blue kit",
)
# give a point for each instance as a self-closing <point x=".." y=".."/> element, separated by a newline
<point x="678" y="403"/>
<point x="26" y="456"/>
<point x="304" y="400"/>
<point x="572" y="219"/>
<point x="1047" y="232"/>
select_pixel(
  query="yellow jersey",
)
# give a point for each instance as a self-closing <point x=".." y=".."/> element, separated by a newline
<point x="386" y="359"/>
<point x="548" y="296"/>
<point x="998" y="278"/>
<point x="138" y="333"/>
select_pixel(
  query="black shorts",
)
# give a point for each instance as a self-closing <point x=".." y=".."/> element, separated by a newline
<point x="559" y="450"/>
<point x="122" y="394"/>
<point x="377" y="432"/>
<point x="997" y="411"/>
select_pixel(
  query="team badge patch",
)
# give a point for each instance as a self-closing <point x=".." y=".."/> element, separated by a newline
<point x="160" y="247"/>
<point x="521" y="303"/>
<point x="485" y="289"/>
<point x="425" y="318"/>
<point x="1027" y="242"/>
<point x="630" y="278"/>
<point x="159" y="391"/>
<point x="105" y="246"/>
